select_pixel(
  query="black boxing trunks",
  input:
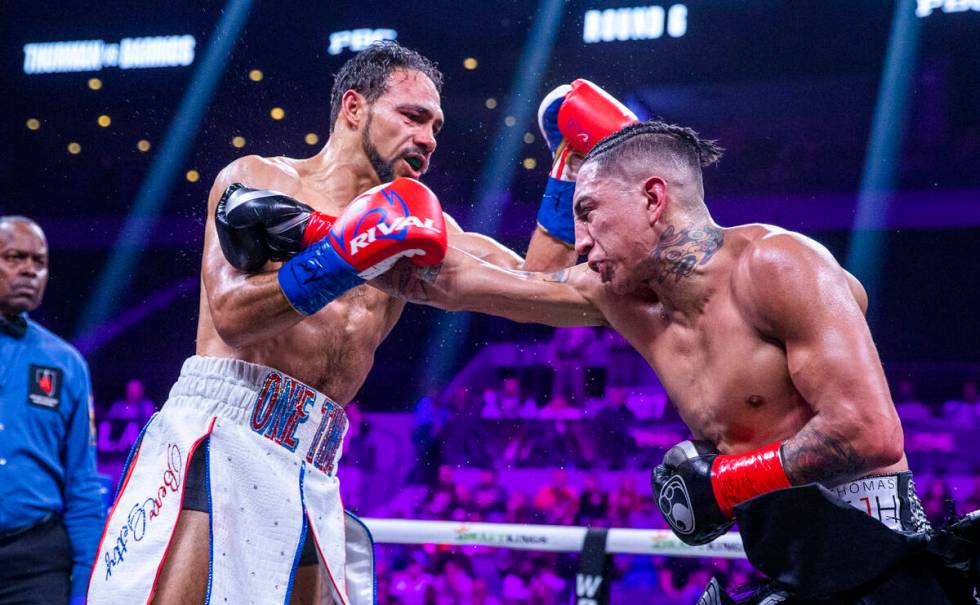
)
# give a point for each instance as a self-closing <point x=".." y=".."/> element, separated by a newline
<point x="865" y="542"/>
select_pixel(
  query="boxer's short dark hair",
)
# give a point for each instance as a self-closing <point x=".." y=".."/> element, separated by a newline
<point x="657" y="137"/>
<point x="367" y="72"/>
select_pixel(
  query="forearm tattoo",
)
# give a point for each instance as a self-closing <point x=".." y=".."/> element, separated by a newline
<point x="416" y="284"/>
<point x="558" y="277"/>
<point x="409" y="281"/>
<point x="812" y="456"/>
<point x="679" y="252"/>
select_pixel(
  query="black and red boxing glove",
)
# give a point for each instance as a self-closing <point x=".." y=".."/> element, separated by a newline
<point x="396" y="220"/>
<point x="257" y="225"/>
<point x="697" y="488"/>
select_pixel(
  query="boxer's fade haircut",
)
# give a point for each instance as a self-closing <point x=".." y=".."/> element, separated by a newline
<point x="656" y="139"/>
<point x="367" y="72"/>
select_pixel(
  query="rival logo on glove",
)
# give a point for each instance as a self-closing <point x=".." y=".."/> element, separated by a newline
<point x="401" y="223"/>
<point x="675" y="504"/>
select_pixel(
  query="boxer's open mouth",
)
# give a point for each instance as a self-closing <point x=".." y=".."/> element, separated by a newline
<point x="415" y="162"/>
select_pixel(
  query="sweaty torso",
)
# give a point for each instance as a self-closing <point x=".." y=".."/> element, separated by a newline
<point x="729" y="382"/>
<point x="331" y="350"/>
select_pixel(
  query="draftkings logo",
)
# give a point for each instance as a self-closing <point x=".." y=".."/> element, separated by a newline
<point x="465" y="535"/>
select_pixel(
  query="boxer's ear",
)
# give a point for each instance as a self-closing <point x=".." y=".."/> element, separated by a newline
<point x="353" y="109"/>
<point x="655" y="197"/>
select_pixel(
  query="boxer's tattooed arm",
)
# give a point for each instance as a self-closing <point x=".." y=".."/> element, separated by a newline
<point x="813" y="456"/>
<point x="679" y="252"/>
<point x="416" y="284"/>
<point x="558" y="277"/>
<point x="408" y="281"/>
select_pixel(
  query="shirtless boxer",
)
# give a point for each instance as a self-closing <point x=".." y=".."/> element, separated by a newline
<point x="262" y="338"/>
<point x="757" y="334"/>
<point x="281" y="347"/>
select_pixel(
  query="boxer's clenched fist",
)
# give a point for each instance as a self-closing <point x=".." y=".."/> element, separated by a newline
<point x="399" y="219"/>
<point x="682" y="488"/>
<point x="697" y="488"/>
<point x="257" y="225"/>
<point x="589" y="114"/>
<point x="573" y="118"/>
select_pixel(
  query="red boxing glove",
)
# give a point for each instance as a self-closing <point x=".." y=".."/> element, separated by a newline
<point x="402" y="218"/>
<point x="317" y="226"/>
<point x="736" y="478"/>
<point x="395" y="220"/>
<point x="589" y="114"/>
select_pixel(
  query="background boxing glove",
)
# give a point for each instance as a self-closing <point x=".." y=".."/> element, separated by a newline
<point x="391" y="221"/>
<point x="572" y="119"/>
<point x="257" y="225"/>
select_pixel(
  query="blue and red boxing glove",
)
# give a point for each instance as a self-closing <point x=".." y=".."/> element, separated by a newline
<point x="395" y="220"/>
<point x="573" y="118"/>
<point x="697" y="488"/>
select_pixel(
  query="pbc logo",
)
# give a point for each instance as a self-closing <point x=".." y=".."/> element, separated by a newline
<point x="44" y="386"/>
<point x="675" y="504"/>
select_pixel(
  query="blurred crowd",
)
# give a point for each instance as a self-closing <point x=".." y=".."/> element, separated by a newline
<point x="480" y="575"/>
<point x="580" y="429"/>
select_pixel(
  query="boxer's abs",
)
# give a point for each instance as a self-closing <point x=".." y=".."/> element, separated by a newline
<point x="332" y="351"/>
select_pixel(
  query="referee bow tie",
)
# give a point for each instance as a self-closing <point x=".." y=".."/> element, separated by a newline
<point x="14" y="326"/>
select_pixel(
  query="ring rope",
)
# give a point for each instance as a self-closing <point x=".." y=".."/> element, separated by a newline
<point x="547" y="537"/>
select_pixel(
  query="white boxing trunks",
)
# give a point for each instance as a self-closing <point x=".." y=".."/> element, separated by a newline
<point x="273" y="445"/>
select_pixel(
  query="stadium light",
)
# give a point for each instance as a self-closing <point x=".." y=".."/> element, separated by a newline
<point x="118" y="271"/>
<point x="868" y="245"/>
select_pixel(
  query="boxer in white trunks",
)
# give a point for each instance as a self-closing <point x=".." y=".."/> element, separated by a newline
<point x="231" y="493"/>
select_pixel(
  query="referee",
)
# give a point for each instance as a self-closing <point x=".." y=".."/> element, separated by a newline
<point x="51" y="512"/>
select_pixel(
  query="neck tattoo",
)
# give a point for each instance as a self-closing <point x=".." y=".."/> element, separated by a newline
<point x="678" y="253"/>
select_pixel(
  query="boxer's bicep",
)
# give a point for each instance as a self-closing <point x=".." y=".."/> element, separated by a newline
<point x="244" y="307"/>
<point x="486" y="249"/>
<point x="481" y="246"/>
<point x="801" y="298"/>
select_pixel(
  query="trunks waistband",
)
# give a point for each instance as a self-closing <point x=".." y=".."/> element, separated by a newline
<point x="268" y="402"/>
<point x="890" y="498"/>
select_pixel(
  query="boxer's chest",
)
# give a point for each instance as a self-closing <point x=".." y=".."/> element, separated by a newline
<point x="729" y="384"/>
